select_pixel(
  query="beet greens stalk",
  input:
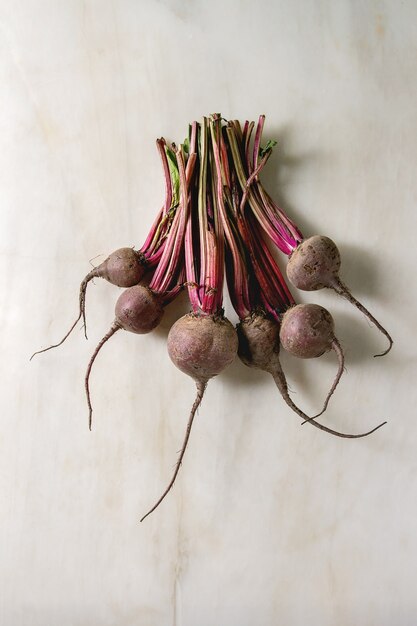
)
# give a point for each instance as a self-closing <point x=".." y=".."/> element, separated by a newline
<point x="314" y="263"/>
<point x="202" y="343"/>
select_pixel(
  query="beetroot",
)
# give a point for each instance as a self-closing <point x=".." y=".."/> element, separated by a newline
<point x="208" y="218"/>
<point x="307" y="331"/>
<point x="201" y="347"/>
<point x="204" y="342"/>
<point x="314" y="264"/>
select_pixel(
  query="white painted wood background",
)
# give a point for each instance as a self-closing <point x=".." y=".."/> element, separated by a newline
<point x="269" y="523"/>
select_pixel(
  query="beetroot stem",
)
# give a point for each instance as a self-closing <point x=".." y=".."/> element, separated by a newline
<point x="170" y="261"/>
<point x="114" y="328"/>
<point x="161" y="145"/>
<point x="202" y="208"/>
<point x="201" y="387"/>
<point x="257" y="141"/>
<point x="252" y="177"/>
<point x="238" y="274"/>
<point x="246" y="137"/>
<point x="255" y="205"/>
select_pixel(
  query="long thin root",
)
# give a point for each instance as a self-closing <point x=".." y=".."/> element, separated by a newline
<point x="114" y="328"/>
<point x="280" y="381"/>
<point x="55" y="345"/>
<point x="83" y="287"/>
<point x="201" y="387"/>
<point x="341" y="358"/>
<point x="340" y="288"/>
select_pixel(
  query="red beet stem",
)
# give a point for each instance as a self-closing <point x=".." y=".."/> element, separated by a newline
<point x="167" y="273"/>
<point x="252" y="178"/>
<point x="204" y="247"/>
<point x="201" y="387"/>
<point x="277" y="233"/>
<point x="257" y="141"/>
<point x="247" y="133"/>
<point x="239" y="279"/>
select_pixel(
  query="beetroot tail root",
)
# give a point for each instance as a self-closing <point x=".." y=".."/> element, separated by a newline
<point x="282" y="386"/>
<point x="81" y="314"/>
<point x="114" y="328"/>
<point x="340" y="288"/>
<point x="201" y="387"/>
<point x="337" y="348"/>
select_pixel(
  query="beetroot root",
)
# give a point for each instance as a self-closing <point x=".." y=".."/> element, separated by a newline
<point x="315" y="264"/>
<point x="201" y="347"/>
<point x="137" y="310"/>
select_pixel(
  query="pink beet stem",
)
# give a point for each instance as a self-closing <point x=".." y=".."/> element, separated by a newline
<point x="247" y="133"/>
<point x="275" y="213"/>
<point x="251" y="179"/>
<point x="161" y="143"/>
<point x="169" y="266"/>
<point x="254" y="203"/>
<point x="274" y="229"/>
<point x="257" y="141"/>
<point x="239" y="274"/>
<point x="271" y="269"/>
<point x="202" y="208"/>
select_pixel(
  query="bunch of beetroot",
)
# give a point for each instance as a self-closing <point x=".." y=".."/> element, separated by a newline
<point x="218" y="221"/>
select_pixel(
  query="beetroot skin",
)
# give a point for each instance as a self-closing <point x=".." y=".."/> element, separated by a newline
<point x="314" y="264"/>
<point x="202" y="346"/>
<point x="307" y="331"/>
<point x="259" y="342"/>
<point x="123" y="268"/>
<point x="138" y="310"/>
